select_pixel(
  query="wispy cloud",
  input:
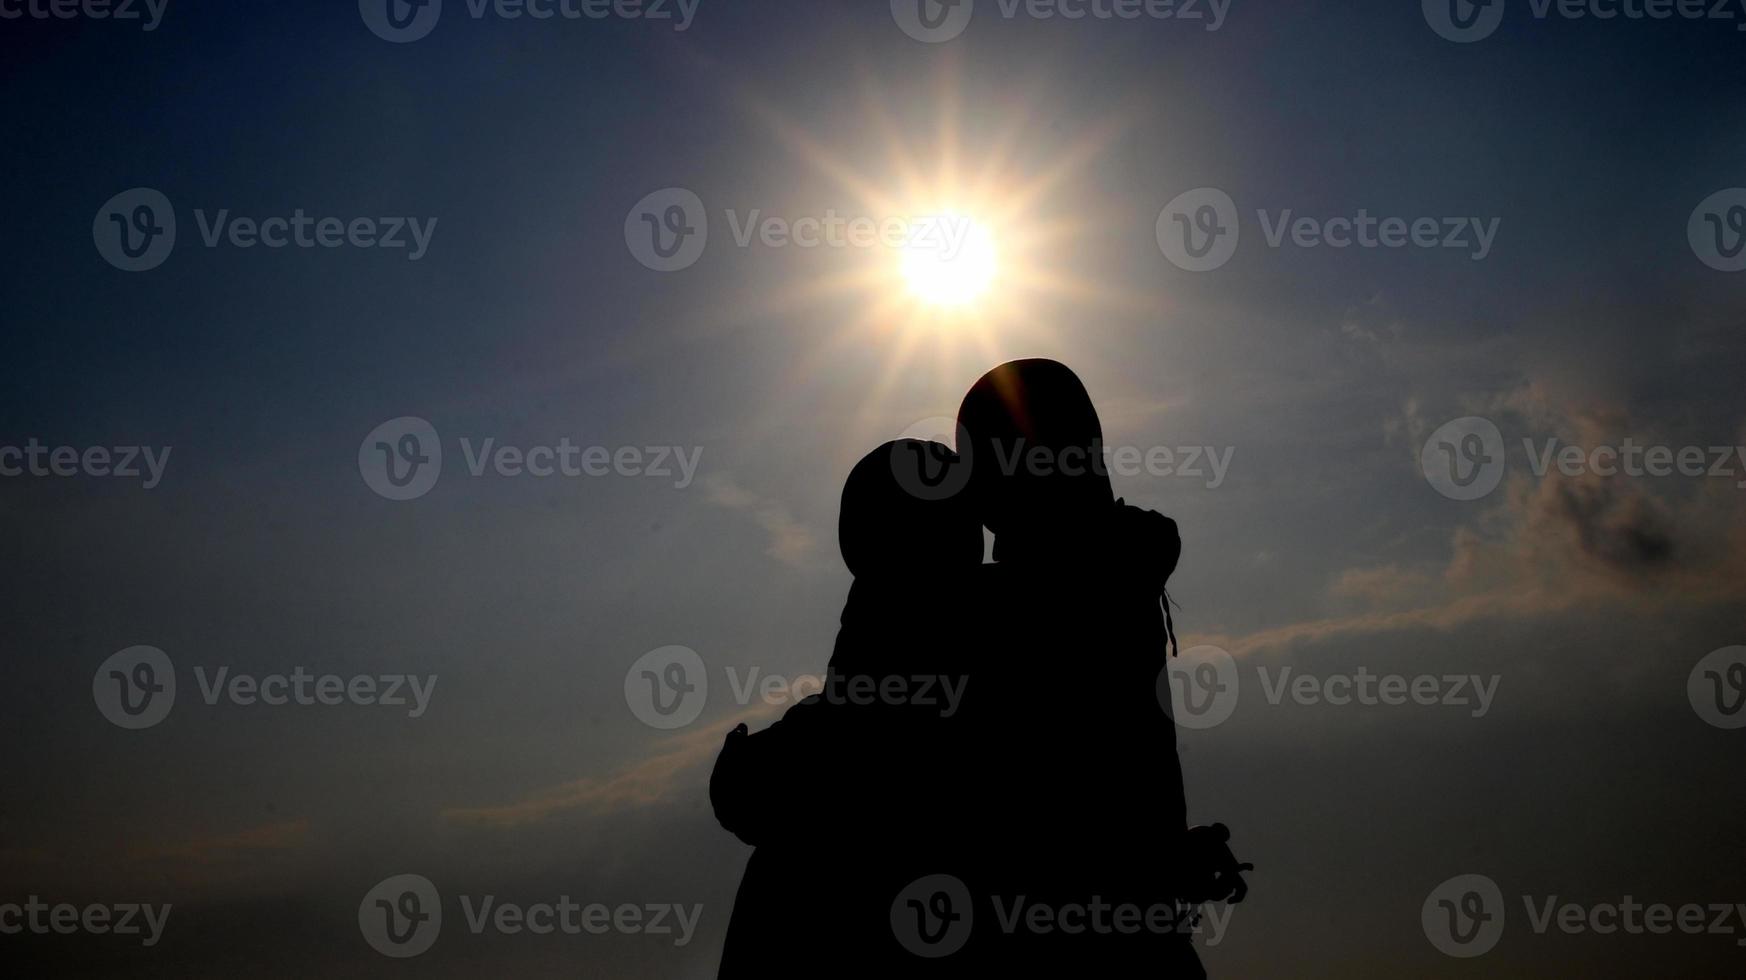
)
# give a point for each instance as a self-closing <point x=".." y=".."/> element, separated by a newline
<point x="669" y="766"/>
<point x="790" y="541"/>
<point x="219" y="848"/>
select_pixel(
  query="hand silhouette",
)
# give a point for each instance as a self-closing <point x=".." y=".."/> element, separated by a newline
<point x="1212" y="871"/>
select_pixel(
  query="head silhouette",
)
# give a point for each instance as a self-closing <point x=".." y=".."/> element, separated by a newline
<point x="1035" y="450"/>
<point x="893" y="524"/>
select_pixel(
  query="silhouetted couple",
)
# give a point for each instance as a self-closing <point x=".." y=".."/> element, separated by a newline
<point x="989" y="778"/>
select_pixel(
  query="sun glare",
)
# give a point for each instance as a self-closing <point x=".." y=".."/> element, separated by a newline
<point x="949" y="259"/>
<point x="977" y="250"/>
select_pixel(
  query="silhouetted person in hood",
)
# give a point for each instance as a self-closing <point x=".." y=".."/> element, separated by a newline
<point x="831" y="794"/>
<point x="1080" y="784"/>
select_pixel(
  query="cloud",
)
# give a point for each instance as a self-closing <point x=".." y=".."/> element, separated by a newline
<point x="215" y="849"/>
<point x="790" y="541"/>
<point x="1550" y="543"/>
<point x="657" y="777"/>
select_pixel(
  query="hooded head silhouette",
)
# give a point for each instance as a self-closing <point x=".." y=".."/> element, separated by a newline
<point x="892" y="525"/>
<point x="1035" y="452"/>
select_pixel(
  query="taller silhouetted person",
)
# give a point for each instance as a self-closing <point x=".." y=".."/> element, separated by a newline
<point x="1075" y="753"/>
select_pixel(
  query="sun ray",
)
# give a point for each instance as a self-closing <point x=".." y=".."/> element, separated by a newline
<point x="1006" y="173"/>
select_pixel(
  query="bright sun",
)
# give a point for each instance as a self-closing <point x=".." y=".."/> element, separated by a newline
<point x="978" y="250"/>
<point x="948" y="260"/>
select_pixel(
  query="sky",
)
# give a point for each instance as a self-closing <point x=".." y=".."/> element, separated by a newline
<point x="1585" y="173"/>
